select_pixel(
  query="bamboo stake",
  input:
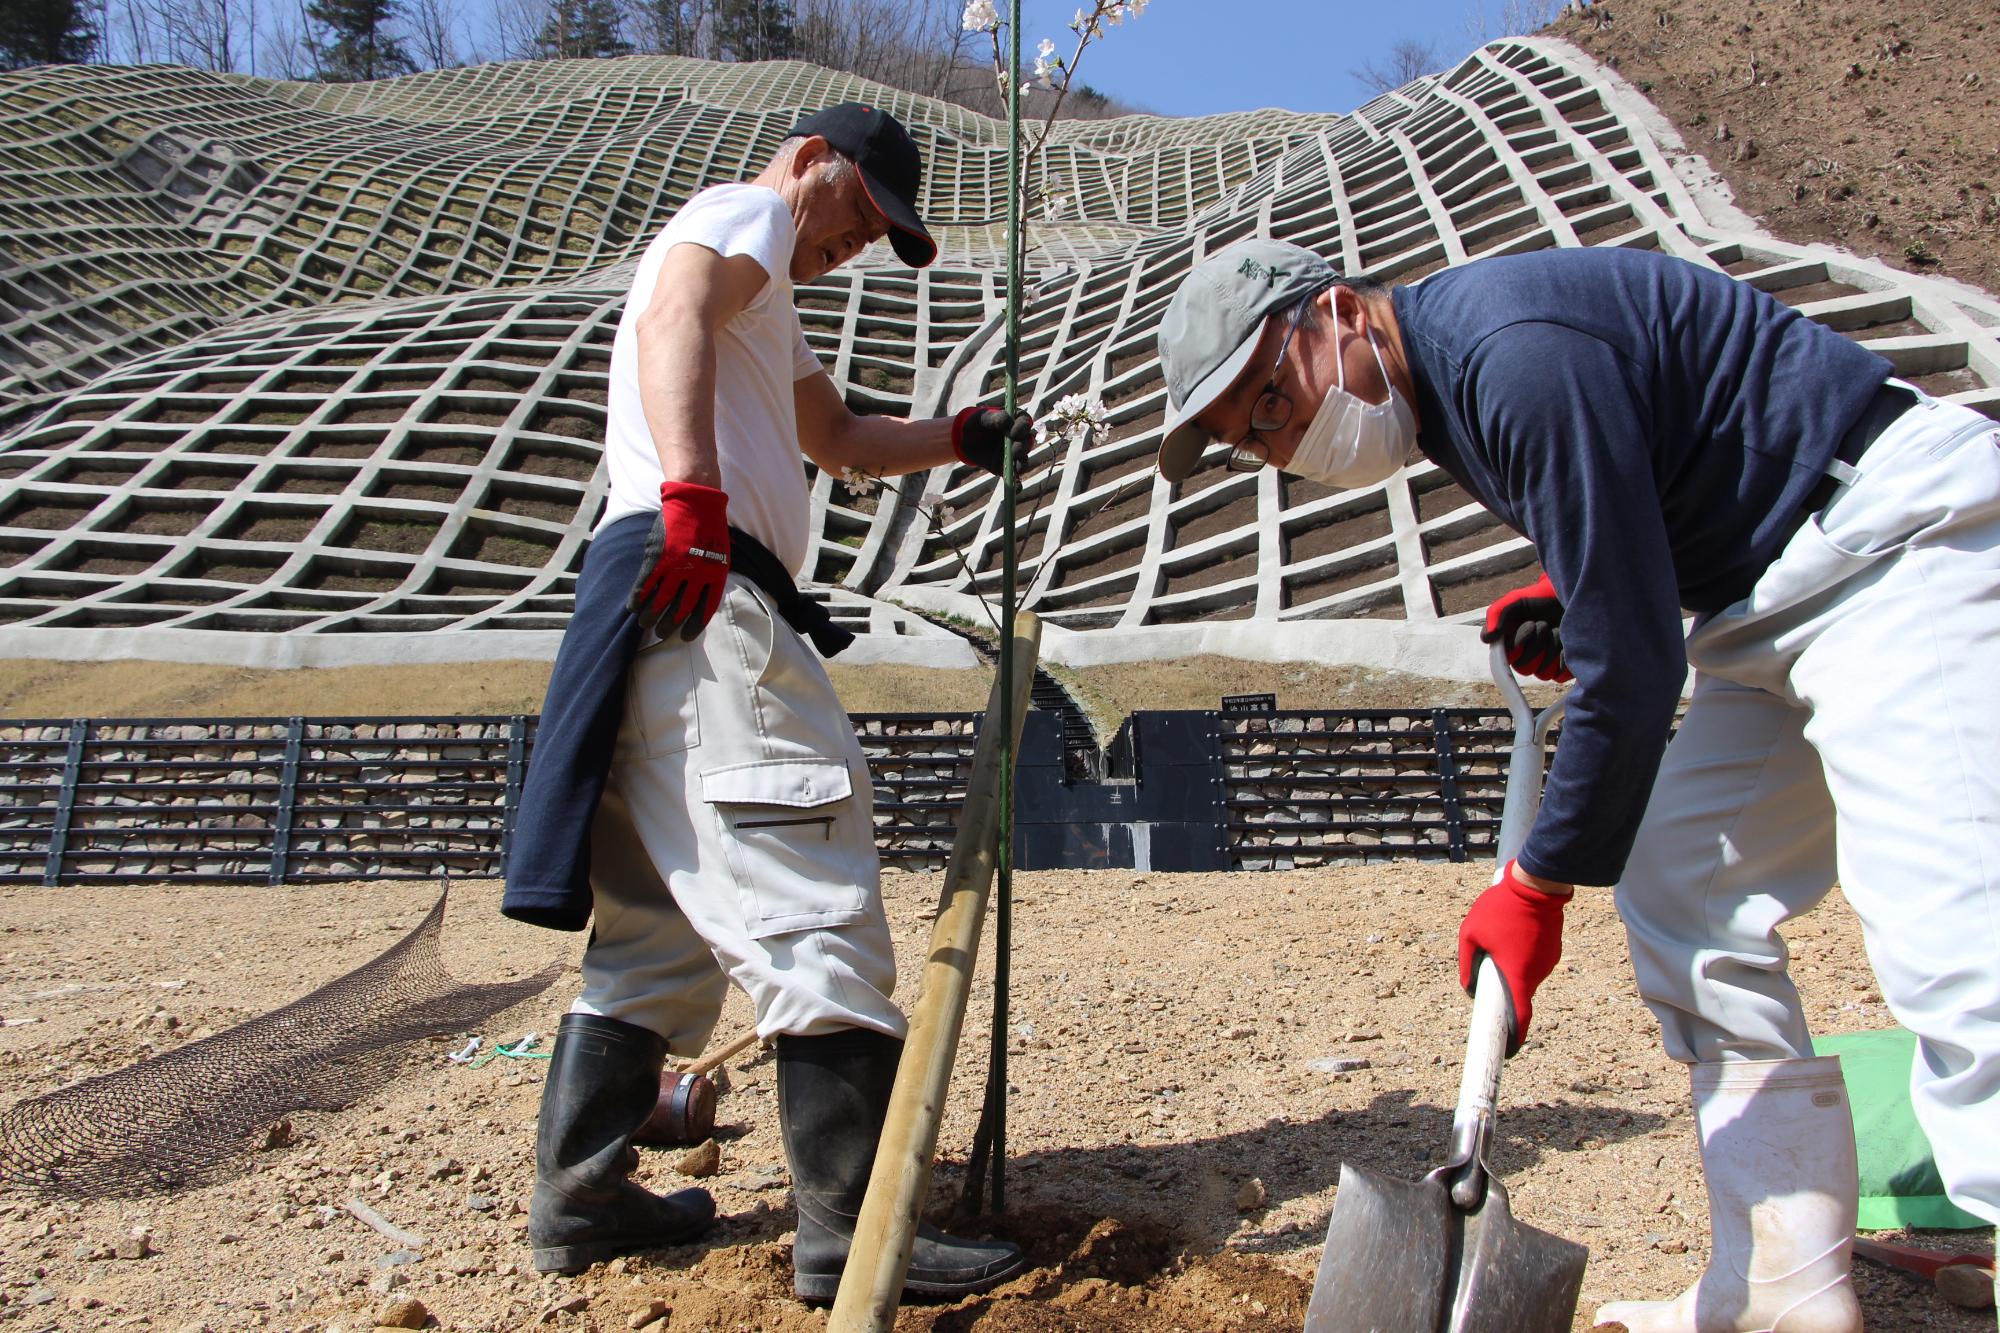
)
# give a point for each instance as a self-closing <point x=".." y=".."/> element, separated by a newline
<point x="871" y="1287"/>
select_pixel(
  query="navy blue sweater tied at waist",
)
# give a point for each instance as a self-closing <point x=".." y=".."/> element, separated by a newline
<point x="548" y="860"/>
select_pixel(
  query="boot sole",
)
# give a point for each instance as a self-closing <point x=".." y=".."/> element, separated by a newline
<point x="576" y="1258"/>
<point x="821" y="1288"/>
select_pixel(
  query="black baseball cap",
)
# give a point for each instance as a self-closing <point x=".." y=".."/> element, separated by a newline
<point x="892" y="170"/>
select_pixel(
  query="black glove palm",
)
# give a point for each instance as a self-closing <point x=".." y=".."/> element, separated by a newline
<point x="1529" y="622"/>
<point x="979" y="436"/>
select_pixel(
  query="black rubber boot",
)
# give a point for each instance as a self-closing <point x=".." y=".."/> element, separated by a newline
<point x="833" y="1092"/>
<point x="603" y="1080"/>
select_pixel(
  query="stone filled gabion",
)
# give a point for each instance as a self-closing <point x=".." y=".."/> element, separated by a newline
<point x="304" y="799"/>
<point x="298" y="799"/>
<point x="316" y="359"/>
<point x="1307" y="789"/>
<point x="278" y="799"/>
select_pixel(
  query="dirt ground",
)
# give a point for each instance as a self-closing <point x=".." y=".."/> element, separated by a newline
<point x="1173" y="1039"/>
<point x="1870" y="124"/>
<point x="175" y="689"/>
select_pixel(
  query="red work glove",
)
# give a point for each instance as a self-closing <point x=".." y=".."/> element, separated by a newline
<point x="687" y="560"/>
<point x="979" y="436"/>
<point x="1520" y="928"/>
<point x="1529" y="621"/>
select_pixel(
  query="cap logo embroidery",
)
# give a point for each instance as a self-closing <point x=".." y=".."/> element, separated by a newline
<point x="1251" y="268"/>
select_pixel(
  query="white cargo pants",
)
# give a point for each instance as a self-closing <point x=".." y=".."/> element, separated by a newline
<point x="1845" y="723"/>
<point x="735" y="842"/>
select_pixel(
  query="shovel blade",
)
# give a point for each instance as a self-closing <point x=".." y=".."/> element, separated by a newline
<point x="1512" y="1278"/>
<point x="1401" y="1258"/>
<point x="1386" y="1267"/>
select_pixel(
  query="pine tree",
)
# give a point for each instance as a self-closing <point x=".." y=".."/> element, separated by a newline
<point x="356" y="43"/>
<point x="581" y="30"/>
<point x="754" y="29"/>
<point x="44" y="32"/>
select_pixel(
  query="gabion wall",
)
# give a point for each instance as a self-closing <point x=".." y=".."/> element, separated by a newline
<point x="284" y="800"/>
<point x="285" y="358"/>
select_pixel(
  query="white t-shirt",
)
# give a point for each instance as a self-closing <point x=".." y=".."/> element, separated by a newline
<point x="758" y="356"/>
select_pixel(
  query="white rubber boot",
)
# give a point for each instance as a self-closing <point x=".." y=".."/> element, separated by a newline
<point x="1777" y="1149"/>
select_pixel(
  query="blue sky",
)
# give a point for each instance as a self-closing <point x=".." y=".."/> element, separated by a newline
<point x="1195" y="57"/>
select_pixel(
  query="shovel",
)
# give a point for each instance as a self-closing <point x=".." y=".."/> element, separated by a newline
<point x="1445" y="1253"/>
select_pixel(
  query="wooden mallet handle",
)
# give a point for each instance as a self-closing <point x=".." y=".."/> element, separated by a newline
<point x="727" y="1053"/>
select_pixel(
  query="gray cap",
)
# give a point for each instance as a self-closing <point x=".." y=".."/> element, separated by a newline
<point x="1212" y="326"/>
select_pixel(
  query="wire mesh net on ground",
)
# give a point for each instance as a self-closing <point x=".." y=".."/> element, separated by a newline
<point x="185" y="1117"/>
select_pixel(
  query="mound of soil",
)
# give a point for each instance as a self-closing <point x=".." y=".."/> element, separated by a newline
<point x="1870" y="124"/>
<point x="1192" y="1058"/>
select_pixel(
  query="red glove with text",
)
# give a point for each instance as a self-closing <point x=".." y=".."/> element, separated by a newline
<point x="978" y="435"/>
<point x="1529" y="621"/>
<point x="687" y="560"/>
<point x="1520" y="928"/>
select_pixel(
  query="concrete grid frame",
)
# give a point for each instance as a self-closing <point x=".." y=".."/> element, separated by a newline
<point x="317" y="373"/>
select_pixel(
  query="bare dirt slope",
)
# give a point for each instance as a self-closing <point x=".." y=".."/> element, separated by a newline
<point x="34" y="688"/>
<point x="175" y="689"/>
<point x="1870" y="124"/>
<point x="1171" y="1041"/>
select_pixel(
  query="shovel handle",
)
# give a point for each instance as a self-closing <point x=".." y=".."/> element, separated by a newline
<point x="1524" y="758"/>
<point x="1486" y="1041"/>
<point x="1479" y="1084"/>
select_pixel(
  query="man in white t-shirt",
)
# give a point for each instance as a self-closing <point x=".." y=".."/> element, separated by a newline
<point x="732" y="838"/>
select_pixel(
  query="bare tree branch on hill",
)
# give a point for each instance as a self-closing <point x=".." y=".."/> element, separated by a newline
<point x="917" y="45"/>
<point x="434" y="26"/>
<point x="1408" y="59"/>
<point x="202" y="34"/>
<point x="911" y="44"/>
<point x="517" y="26"/>
<point x="1515" y="18"/>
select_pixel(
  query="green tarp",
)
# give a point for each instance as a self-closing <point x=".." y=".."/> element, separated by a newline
<point x="1899" y="1181"/>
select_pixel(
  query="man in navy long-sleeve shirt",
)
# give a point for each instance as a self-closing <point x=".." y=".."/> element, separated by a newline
<point x="1674" y="441"/>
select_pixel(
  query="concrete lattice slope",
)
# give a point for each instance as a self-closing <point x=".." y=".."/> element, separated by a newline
<point x="329" y="362"/>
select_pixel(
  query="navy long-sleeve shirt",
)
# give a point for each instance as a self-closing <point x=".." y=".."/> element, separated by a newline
<point x="1653" y="427"/>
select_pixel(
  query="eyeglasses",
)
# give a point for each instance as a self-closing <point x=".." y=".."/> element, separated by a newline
<point x="1271" y="410"/>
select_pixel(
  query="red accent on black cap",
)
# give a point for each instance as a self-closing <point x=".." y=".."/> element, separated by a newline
<point x="891" y="166"/>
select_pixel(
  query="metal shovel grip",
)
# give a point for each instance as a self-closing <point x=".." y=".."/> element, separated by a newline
<point x="1486" y="1040"/>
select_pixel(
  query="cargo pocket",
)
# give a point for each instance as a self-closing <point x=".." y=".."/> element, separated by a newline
<point x="800" y="847"/>
<point x="661" y="716"/>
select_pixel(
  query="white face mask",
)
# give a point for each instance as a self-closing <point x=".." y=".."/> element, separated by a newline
<point x="1352" y="443"/>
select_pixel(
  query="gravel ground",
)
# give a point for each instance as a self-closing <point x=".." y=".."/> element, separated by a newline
<point x="1177" y="1123"/>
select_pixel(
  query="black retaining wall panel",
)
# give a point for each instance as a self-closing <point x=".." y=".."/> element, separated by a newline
<point x="276" y="800"/>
